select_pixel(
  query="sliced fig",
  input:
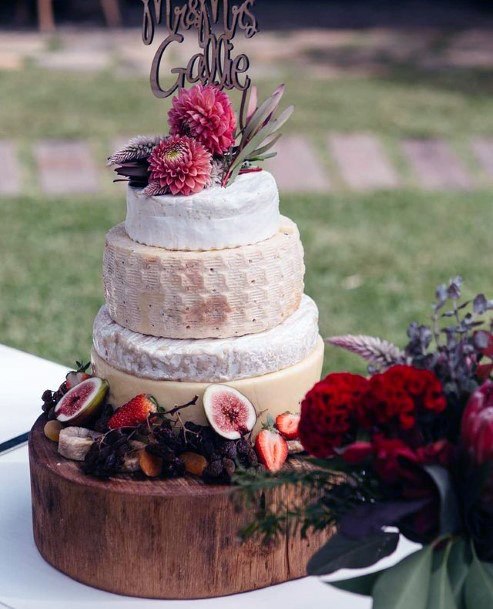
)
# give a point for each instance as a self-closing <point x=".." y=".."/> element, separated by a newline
<point x="82" y="402"/>
<point x="229" y="412"/>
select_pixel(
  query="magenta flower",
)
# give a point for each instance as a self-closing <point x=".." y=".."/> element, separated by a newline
<point x="205" y="114"/>
<point x="477" y="424"/>
<point x="180" y="166"/>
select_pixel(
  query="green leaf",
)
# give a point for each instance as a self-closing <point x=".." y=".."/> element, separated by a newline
<point x="341" y="552"/>
<point x="358" y="585"/>
<point x="441" y="595"/>
<point x="269" y="145"/>
<point x="479" y="585"/>
<point x="406" y="585"/>
<point x="458" y="567"/>
<point x="450" y="520"/>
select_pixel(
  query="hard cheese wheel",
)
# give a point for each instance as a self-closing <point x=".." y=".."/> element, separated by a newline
<point x="215" y="294"/>
<point x="271" y="394"/>
<point x="208" y="360"/>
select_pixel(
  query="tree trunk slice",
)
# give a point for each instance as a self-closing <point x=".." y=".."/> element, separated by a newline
<point x="165" y="539"/>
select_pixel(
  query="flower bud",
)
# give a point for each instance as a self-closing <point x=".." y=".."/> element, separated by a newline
<point x="477" y="424"/>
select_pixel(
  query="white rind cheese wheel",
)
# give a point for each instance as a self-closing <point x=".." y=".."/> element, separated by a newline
<point x="208" y="360"/>
<point x="271" y="394"/>
<point x="216" y="218"/>
<point x="215" y="294"/>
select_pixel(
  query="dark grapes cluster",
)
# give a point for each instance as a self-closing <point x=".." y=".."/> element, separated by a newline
<point x="107" y="454"/>
<point x="51" y="398"/>
<point x="224" y="456"/>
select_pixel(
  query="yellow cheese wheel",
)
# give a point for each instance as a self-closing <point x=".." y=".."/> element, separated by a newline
<point x="271" y="394"/>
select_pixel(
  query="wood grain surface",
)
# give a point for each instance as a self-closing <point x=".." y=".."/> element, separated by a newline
<point x="167" y="539"/>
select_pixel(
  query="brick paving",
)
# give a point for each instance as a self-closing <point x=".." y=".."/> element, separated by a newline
<point x="10" y="172"/>
<point x="361" y="161"/>
<point x="66" y="167"/>
<point x="436" y="166"/>
<point x="483" y="151"/>
<point x="297" y="167"/>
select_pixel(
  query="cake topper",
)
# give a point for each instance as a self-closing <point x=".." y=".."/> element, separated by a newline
<point x="217" y="22"/>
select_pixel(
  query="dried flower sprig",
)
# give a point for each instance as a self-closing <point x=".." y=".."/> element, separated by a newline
<point x="377" y="351"/>
<point x="137" y="149"/>
<point x="259" y="133"/>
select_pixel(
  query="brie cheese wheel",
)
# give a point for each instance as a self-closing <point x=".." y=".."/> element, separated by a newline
<point x="216" y="218"/>
<point x="213" y="294"/>
<point x="208" y="360"/>
<point x="271" y="394"/>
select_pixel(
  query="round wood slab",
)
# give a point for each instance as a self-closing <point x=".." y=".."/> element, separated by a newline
<point x="166" y="539"/>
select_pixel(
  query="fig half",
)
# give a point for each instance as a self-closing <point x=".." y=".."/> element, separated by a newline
<point x="82" y="402"/>
<point x="229" y="412"/>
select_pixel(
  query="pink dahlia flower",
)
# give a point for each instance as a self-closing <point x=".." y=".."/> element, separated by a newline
<point x="180" y="166"/>
<point x="206" y="114"/>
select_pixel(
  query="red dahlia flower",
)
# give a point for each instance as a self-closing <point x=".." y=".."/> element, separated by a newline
<point x="180" y="166"/>
<point x="477" y="424"/>
<point x="206" y="114"/>
<point x="328" y="413"/>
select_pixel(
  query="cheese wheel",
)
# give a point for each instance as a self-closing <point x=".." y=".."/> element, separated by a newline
<point x="215" y="294"/>
<point x="271" y="394"/>
<point x="208" y="360"/>
<point x="216" y="218"/>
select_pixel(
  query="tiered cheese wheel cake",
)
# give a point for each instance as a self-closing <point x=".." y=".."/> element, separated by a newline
<point x="205" y="289"/>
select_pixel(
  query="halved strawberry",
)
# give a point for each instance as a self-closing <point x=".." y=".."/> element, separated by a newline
<point x="271" y="449"/>
<point x="75" y="378"/>
<point x="287" y="424"/>
<point x="133" y="413"/>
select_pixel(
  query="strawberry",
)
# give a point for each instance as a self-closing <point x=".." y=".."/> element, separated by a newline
<point x="75" y="378"/>
<point x="271" y="449"/>
<point x="287" y="425"/>
<point x="133" y="413"/>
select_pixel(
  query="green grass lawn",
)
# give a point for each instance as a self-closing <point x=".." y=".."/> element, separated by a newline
<point x="373" y="260"/>
<point x="394" y="248"/>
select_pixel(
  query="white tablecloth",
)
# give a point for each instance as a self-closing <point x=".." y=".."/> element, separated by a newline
<point x="28" y="582"/>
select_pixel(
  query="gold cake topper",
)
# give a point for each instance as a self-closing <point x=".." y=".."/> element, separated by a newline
<point x="217" y="23"/>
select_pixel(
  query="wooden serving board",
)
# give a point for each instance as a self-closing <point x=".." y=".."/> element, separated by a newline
<point x="166" y="539"/>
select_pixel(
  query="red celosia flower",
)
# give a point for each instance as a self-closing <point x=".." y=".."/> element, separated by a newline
<point x="180" y="166"/>
<point x="206" y="114"/>
<point x="391" y="458"/>
<point x="328" y="413"/>
<point x="399" y="394"/>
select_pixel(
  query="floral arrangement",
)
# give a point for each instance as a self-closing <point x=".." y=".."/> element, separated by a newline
<point x="407" y="450"/>
<point x="207" y="145"/>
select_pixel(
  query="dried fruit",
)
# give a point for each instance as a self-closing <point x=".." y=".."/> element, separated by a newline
<point x="287" y="424"/>
<point x="194" y="463"/>
<point x="272" y="449"/>
<point x="52" y="430"/>
<point x="75" y="442"/>
<point x="133" y="413"/>
<point x="82" y="402"/>
<point x="151" y="465"/>
<point x="229" y="413"/>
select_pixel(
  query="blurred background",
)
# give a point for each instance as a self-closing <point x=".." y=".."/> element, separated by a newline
<point x="387" y="166"/>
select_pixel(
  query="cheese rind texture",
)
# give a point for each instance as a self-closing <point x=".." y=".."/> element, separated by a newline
<point x="208" y="360"/>
<point x="216" y="218"/>
<point x="271" y="394"/>
<point x="214" y="294"/>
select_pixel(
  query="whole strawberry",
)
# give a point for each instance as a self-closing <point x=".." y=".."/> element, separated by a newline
<point x="133" y="413"/>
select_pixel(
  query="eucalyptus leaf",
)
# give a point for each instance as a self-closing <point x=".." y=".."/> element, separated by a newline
<point x="407" y="584"/>
<point x="440" y="594"/>
<point x="458" y="567"/>
<point x="341" y="552"/>
<point x="450" y="520"/>
<point x="269" y="145"/>
<point x="479" y="585"/>
<point x="358" y="585"/>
